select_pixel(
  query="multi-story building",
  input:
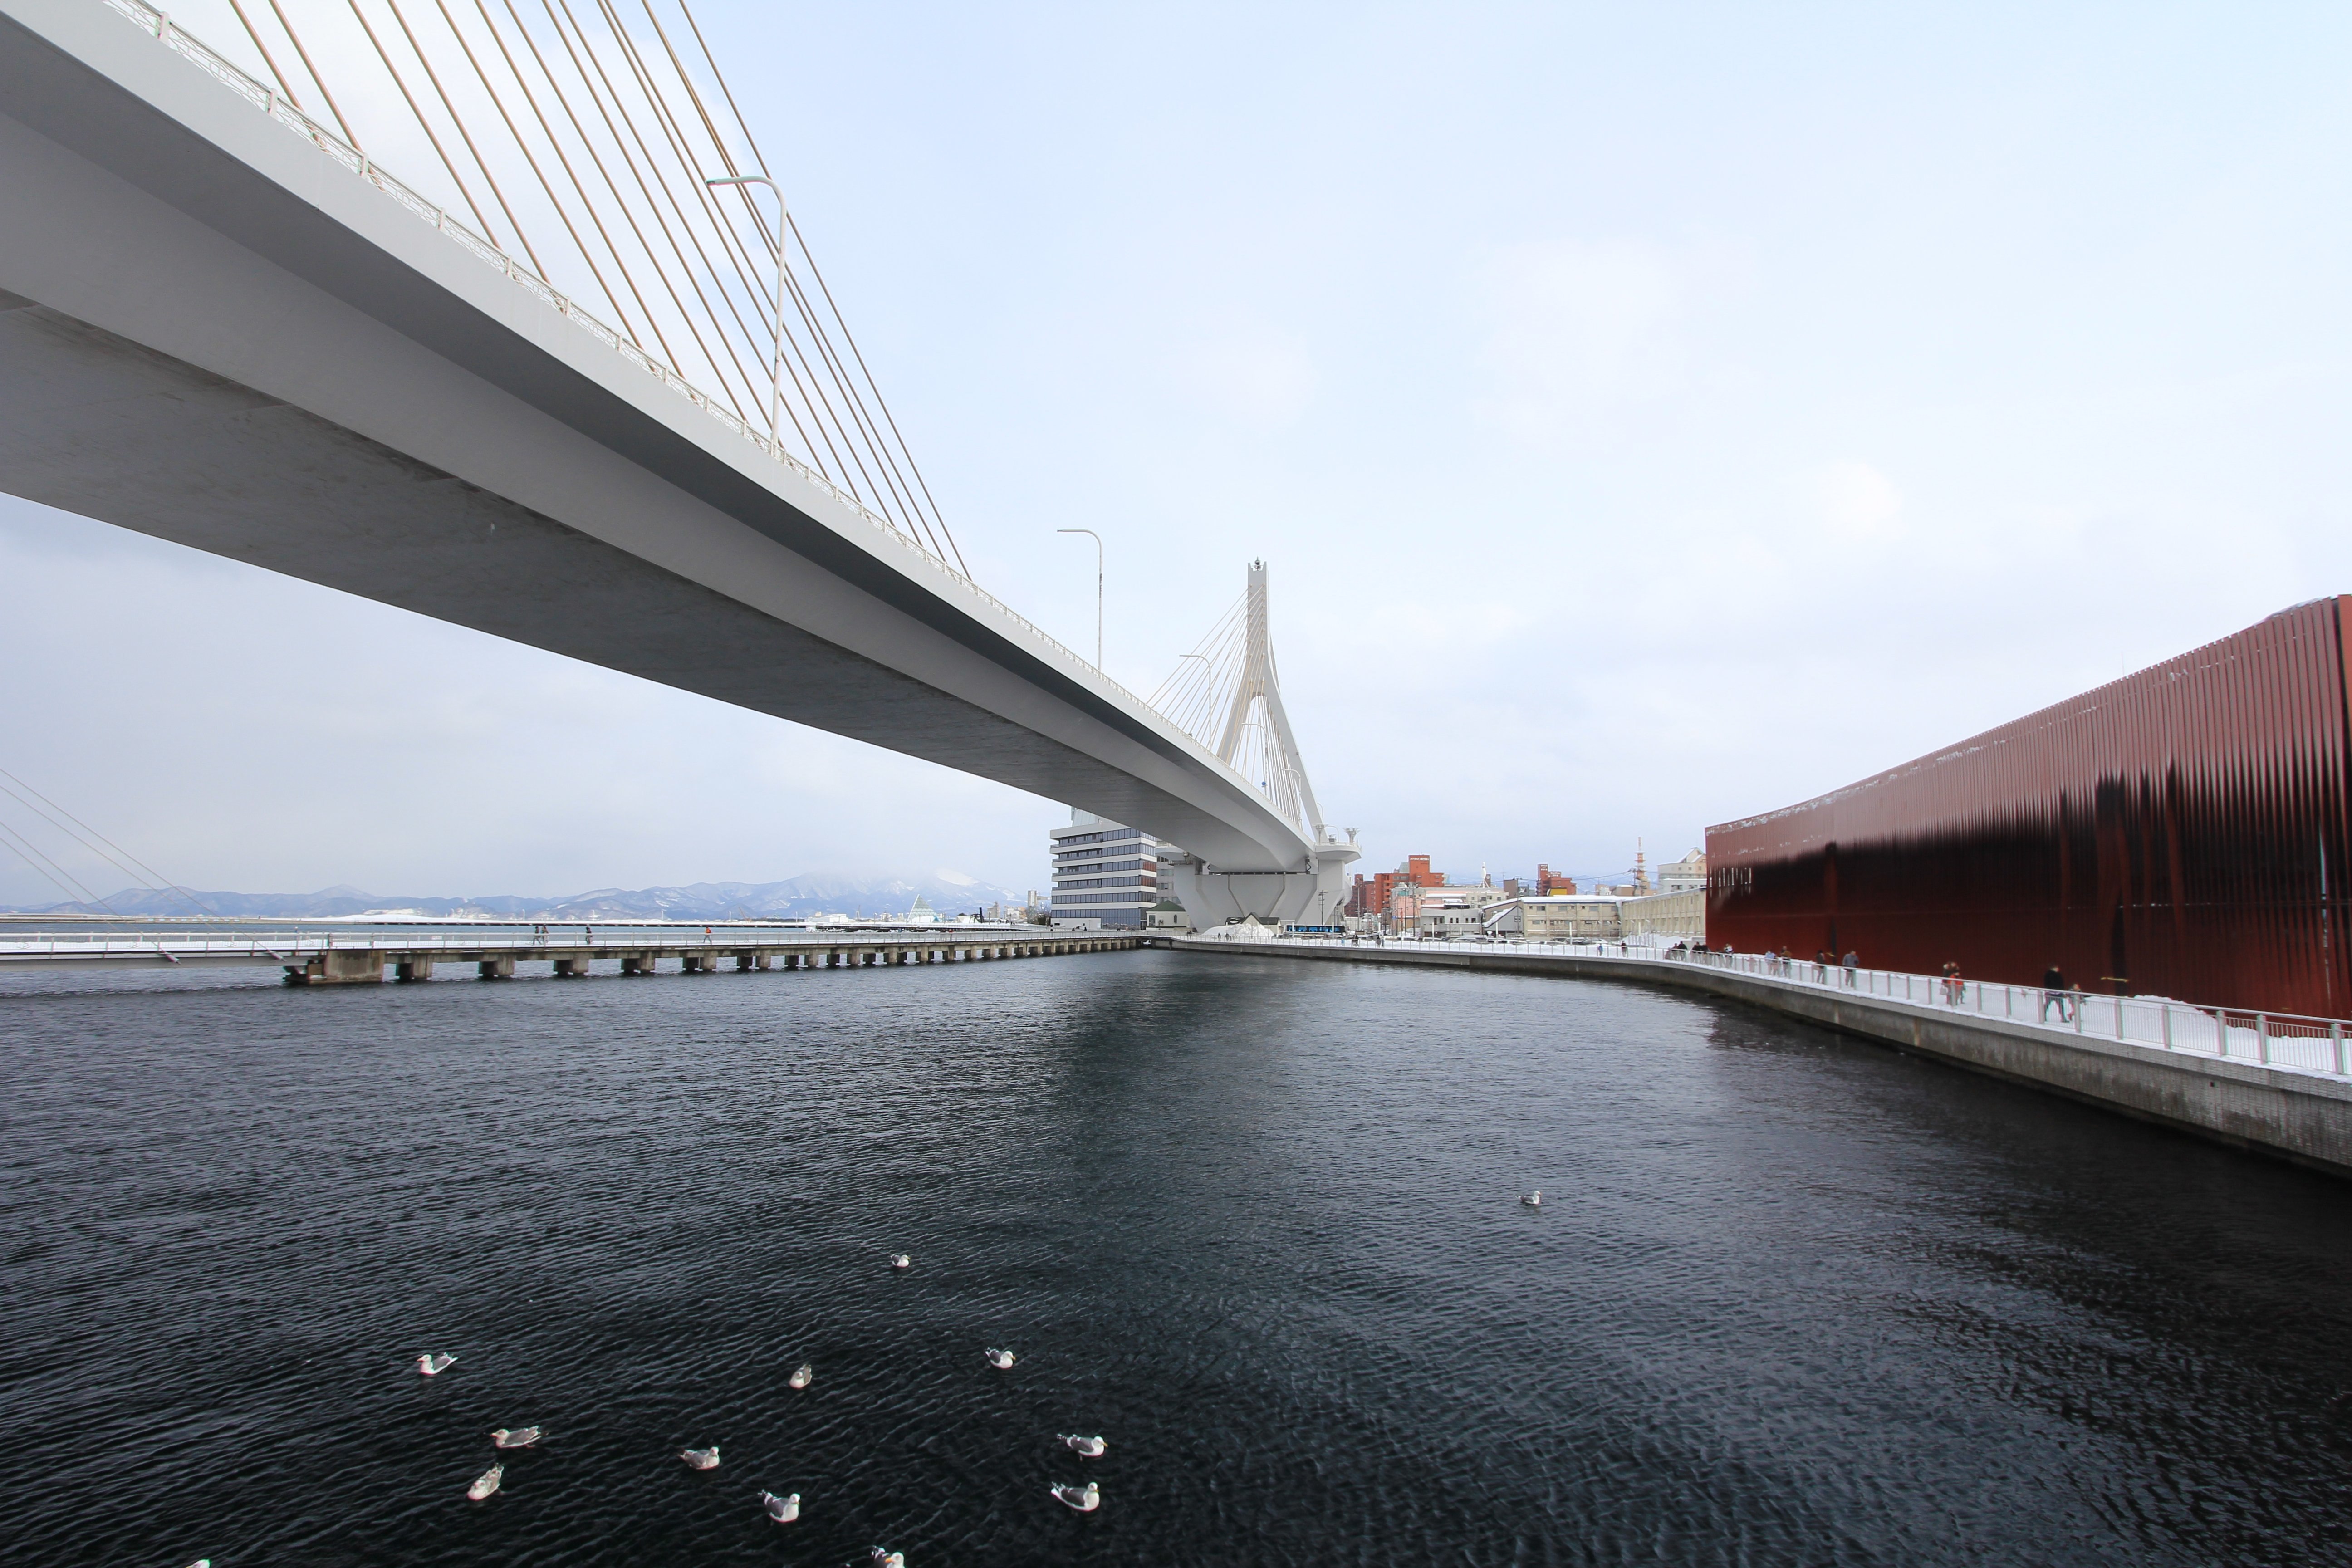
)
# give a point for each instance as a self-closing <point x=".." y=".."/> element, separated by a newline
<point x="1104" y="871"/>
<point x="1556" y="917"/>
<point x="1686" y="875"/>
<point x="1680" y="914"/>
<point x="1372" y="895"/>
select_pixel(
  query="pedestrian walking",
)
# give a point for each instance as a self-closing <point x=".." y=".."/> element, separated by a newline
<point x="2056" y="993"/>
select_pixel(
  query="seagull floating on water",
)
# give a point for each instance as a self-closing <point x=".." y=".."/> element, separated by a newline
<point x="802" y="1375"/>
<point x="701" y="1458"/>
<point x="434" y="1365"/>
<point x="1085" y="1499"/>
<point x="900" y="1260"/>
<point x="1086" y="1448"/>
<point x="783" y="1510"/>
<point x="1001" y="1359"/>
<point x="882" y="1558"/>
<point x="488" y="1482"/>
<point x="1533" y="1200"/>
<point x="516" y="1437"/>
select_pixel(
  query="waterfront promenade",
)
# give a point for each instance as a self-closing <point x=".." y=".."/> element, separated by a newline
<point x="2271" y="1082"/>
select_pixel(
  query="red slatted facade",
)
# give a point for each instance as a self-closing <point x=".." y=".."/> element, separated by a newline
<point x="2181" y="833"/>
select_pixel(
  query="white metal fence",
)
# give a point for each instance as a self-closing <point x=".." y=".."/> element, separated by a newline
<point x="2273" y="1039"/>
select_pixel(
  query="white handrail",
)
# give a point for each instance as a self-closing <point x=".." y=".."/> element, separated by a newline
<point x="2291" y="1041"/>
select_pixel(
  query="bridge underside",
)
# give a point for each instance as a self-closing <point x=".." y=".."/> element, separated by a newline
<point x="93" y="424"/>
<point x="212" y="333"/>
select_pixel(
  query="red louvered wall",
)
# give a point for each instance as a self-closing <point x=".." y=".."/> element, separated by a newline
<point x="2180" y="833"/>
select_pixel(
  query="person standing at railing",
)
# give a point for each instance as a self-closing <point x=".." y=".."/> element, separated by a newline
<point x="1953" y="984"/>
<point x="2055" y="992"/>
<point x="1852" y="967"/>
<point x="1822" y="959"/>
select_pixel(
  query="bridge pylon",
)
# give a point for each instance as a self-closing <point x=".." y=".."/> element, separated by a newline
<point x="1254" y="738"/>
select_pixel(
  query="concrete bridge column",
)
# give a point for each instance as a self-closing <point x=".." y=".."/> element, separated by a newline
<point x="747" y="961"/>
<point x="694" y="963"/>
<point x="339" y="966"/>
<point x="499" y="968"/>
<point x="571" y="969"/>
<point x="637" y="963"/>
<point x="413" y="969"/>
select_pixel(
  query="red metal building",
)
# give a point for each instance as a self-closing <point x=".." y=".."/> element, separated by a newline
<point x="2182" y="832"/>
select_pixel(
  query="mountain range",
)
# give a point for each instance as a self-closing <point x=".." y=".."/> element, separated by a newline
<point x="794" y="898"/>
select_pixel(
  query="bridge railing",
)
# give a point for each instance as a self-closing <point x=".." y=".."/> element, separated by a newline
<point x="2289" y="1040"/>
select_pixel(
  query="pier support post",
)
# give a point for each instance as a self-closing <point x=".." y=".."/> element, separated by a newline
<point x="747" y="961"/>
<point x="339" y="966"/>
<point x="571" y="969"/>
<point x="636" y="964"/>
<point x="413" y="969"/>
<point x="499" y="968"/>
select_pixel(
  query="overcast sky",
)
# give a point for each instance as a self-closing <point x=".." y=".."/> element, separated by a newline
<point x="1651" y="414"/>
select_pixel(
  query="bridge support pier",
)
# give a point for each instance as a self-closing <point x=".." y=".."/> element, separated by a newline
<point x="339" y="966"/>
<point x="695" y="964"/>
<point x="499" y="968"/>
<point x="636" y="964"/>
<point x="413" y="969"/>
<point x="747" y="961"/>
<point x="571" y="969"/>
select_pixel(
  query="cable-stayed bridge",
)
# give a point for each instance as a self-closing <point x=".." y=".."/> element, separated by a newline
<point x="224" y="322"/>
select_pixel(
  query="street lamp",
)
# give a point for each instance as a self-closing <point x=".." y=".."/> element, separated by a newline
<point x="1090" y="533"/>
<point x="776" y="363"/>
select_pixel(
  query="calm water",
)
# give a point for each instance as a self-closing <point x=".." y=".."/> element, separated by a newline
<point x="1791" y="1298"/>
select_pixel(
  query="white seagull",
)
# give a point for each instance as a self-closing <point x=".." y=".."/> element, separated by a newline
<point x="802" y="1375"/>
<point x="783" y="1510"/>
<point x="900" y="1260"/>
<point x="434" y="1365"/>
<point x="1001" y="1359"/>
<point x="881" y="1557"/>
<point x="1085" y="1500"/>
<point x="488" y="1482"/>
<point x="701" y="1458"/>
<point x="1533" y="1200"/>
<point x="1086" y="1448"/>
<point x="516" y="1437"/>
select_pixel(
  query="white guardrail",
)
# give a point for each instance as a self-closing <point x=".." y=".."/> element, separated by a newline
<point x="2271" y="1040"/>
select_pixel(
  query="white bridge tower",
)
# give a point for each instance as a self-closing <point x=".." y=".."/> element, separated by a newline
<point x="1241" y="695"/>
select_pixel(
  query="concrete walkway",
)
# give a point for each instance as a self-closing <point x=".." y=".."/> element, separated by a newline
<point x="2298" y="1113"/>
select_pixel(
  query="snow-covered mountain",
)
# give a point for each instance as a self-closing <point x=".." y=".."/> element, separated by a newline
<point x="949" y="892"/>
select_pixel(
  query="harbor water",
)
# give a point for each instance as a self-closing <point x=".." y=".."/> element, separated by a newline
<point x="1788" y="1299"/>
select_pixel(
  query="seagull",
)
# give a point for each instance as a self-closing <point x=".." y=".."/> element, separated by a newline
<point x="900" y="1260"/>
<point x="881" y="1558"/>
<point x="1086" y="1448"/>
<point x="516" y="1437"/>
<point x="1001" y="1359"/>
<point x="701" y="1458"/>
<point x="1086" y="1500"/>
<point x="783" y="1510"/>
<point x="434" y="1365"/>
<point x="488" y="1482"/>
<point x="802" y="1375"/>
<point x="1533" y="1200"/>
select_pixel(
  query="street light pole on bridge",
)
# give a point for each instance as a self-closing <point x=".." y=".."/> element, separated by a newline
<point x="1090" y="533"/>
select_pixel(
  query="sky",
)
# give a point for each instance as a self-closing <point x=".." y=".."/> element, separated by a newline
<point x="1649" y="416"/>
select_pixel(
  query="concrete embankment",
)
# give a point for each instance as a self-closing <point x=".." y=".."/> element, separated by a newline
<point x="2299" y="1116"/>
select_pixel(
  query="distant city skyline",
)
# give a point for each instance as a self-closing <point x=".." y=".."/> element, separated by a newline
<point x="1650" y="419"/>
